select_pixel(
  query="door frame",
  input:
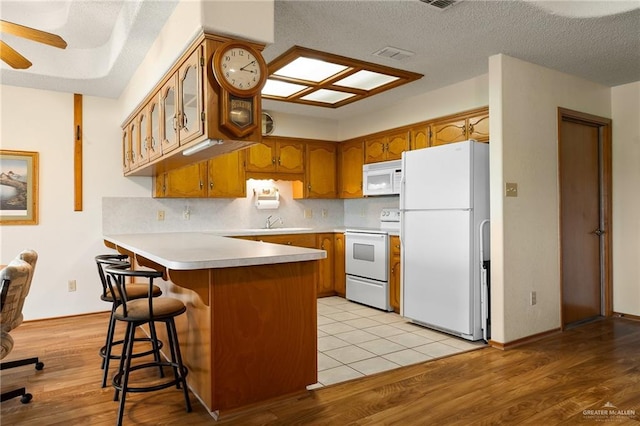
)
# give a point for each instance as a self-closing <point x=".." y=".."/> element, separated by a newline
<point x="605" y="171"/>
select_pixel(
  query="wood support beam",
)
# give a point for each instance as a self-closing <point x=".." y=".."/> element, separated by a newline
<point x="77" y="151"/>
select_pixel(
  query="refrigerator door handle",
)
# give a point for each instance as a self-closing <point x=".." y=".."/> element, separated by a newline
<point x="484" y="290"/>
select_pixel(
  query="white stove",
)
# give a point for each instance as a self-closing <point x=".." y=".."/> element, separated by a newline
<point x="367" y="261"/>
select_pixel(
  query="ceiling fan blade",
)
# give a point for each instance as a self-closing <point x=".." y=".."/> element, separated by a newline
<point x="13" y="58"/>
<point x="32" y="34"/>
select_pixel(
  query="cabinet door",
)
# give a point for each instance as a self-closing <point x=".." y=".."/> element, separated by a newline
<point x="143" y="143"/>
<point x="187" y="182"/>
<point x="226" y="176"/>
<point x="126" y="149"/>
<point x="448" y="131"/>
<point x="321" y="170"/>
<point x="339" y="277"/>
<point x="394" y="269"/>
<point x="159" y="187"/>
<point x="261" y="157"/>
<point x="298" y="240"/>
<point x="290" y="156"/>
<point x="375" y="150"/>
<point x="420" y="137"/>
<point x="153" y="143"/>
<point x="397" y="143"/>
<point x="190" y="96"/>
<point x="478" y="127"/>
<point x="169" y="116"/>
<point x="134" y="144"/>
<point x="326" y="266"/>
<point x="350" y="161"/>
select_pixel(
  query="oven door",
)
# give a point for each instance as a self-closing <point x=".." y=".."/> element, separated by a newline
<point x="366" y="255"/>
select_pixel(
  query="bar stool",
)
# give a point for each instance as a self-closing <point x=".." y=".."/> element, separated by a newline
<point x="134" y="291"/>
<point x="138" y="312"/>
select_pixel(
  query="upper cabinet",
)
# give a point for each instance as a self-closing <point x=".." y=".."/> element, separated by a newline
<point x="386" y="146"/>
<point x="276" y="155"/>
<point x="350" y="161"/>
<point x="471" y="125"/>
<point x="320" y="170"/>
<point x="184" y="109"/>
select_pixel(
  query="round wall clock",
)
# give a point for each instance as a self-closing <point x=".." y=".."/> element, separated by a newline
<point x="239" y="68"/>
<point x="267" y="124"/>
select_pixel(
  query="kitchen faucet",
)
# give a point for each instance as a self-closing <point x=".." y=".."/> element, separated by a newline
<point x="269" y="223"/>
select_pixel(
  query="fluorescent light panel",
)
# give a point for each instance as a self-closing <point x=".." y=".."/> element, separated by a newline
<point x="327" y="96"/>
<point x="366" y="80"/>
<point x="281" y="88"/>
<point x="308" y="69"/>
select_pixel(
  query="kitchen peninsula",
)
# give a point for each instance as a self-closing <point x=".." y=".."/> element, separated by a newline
<point x="250" y="331"/>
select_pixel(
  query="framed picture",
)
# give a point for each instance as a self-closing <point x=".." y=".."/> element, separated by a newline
<point x="18" y="187"/>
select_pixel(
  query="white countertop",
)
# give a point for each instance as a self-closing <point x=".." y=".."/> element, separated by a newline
<point x="204" y="250"/>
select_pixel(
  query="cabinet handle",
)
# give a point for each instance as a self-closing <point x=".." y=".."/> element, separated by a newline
<point x="211" y="185"/>
<point x="133" y="156"/>
<point x="288" y="243"/>
<point x="470" y="128"/>
<point x="185" y="121"/>
<point x="309" y="187"/>
<point x="279" y="161"/>
<point x="273" y="160"/>
<point x="175" y="122"/>
<point x="201" y="185"/>
<point x="153" y="143"/>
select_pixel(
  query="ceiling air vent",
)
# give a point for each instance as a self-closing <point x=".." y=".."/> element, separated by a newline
<point x="440" y="4"/>
<point x="393" y="53"/>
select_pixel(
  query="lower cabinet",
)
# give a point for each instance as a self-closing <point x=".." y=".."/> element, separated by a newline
<point x="326" y="266"/>
<point x="339" y="278"/>
<point x="394" y="272"/>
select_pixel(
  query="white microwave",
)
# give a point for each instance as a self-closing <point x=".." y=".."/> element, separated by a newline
<point x="382" y="178"/>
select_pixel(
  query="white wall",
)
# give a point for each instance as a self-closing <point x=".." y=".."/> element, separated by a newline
<point x="66" y="241"/>
<point x="525" y="230"/>
<point x="625" y="110"/>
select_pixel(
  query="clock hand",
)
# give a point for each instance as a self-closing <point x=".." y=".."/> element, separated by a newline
<point x="250" y="63"/>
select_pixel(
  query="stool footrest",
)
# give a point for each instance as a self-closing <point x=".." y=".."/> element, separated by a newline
<point x="117" y="378"/>
<point x="103" y="349"/>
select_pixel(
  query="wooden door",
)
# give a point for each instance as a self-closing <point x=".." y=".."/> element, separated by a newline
<point x="169" y="116"/>
<point x="321" y="170"/>
<point x="397" y="143"/>
<point x="339" y="275"/>
<point x="420" y="137"/>
<point x="226" y="176"/>
<point x="187" y="182"/>
<point x="190" y="119"/>
<point x="290" y="157"/>
<point x="350" y="161"/>
<point x="326" y="271"/>
<point x="444" y="132"/>
<point x="375" y="149"/>
<point x="261" y="157"/>
<point x="584" y="156"/>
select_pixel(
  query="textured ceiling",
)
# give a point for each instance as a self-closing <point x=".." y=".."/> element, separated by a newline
<point x="108" y="39"/>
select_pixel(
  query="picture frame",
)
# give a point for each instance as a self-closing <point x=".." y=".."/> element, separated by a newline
<point x="18" y="187"/>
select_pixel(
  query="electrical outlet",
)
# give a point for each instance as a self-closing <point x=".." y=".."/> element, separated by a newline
<point x="186" y="213"/>
<point x="511" y="189"/>
<point x="308" y="213"/>
<point x="160" y="214"/>
<point x="534" y="298"/>
<point x="71" y="285"/>
<point x="325" y="213"/>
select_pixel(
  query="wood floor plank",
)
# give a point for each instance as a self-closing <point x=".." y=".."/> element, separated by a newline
<point x="548" y="382"/>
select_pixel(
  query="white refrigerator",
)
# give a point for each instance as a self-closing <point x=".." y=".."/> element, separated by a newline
<point x="444" y="207"/>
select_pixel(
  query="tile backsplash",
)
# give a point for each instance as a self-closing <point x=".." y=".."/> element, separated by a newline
<point x="123" y="215"/>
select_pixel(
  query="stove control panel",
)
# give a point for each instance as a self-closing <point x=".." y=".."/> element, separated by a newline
<point x="390" y="215"/>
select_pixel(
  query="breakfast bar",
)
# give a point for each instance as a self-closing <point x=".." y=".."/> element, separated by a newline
<point x="250" y="333"/>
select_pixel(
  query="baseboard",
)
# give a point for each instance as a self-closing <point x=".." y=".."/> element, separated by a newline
<point x="627" y="316"/>
<point x="524" y="340"/>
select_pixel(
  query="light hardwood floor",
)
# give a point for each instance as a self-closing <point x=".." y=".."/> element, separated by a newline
<point x="549" y="382"/>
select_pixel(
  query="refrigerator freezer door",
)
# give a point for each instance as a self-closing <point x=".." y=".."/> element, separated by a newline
<point x="437" y="178"/>
<point x="436" y="269"/>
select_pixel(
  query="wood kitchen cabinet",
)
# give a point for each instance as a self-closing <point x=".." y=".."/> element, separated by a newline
<point x="469" y="125"/>
<point x="326" y="266"/>
<point x="386" y="146"/>
<point x="339" y="277"/>
<point x="219" y="177"/>
<point x="320" y="180"/>
<point x="298" y="240"/>
<point x="420" y="136"/>
<point x="276" y="155"/>
<point x="126" y="150"/>
<point x="394" y="272"/>
<point x="350" y="161"/>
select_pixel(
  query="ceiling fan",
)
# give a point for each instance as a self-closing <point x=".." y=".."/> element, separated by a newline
<point x="15" y="59"/>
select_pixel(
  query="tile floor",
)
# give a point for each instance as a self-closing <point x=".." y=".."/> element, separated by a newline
<point x="355" y="340"/>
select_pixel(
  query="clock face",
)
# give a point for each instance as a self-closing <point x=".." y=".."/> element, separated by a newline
<point x="241" y="69"/>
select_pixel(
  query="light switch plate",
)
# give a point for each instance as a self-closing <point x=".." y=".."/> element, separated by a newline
<point x="511" y="189"/>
